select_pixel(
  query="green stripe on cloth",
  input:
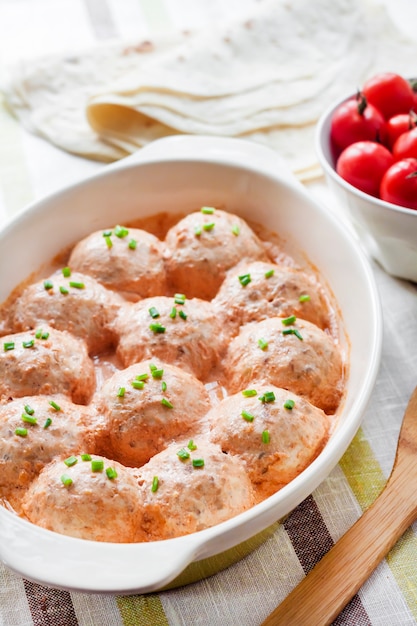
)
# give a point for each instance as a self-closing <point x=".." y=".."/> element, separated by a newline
<point x="366" y="480"/>
<point x="15" y="183"/>
<point x="142" y="611"/>
<point x="156" y="14"/>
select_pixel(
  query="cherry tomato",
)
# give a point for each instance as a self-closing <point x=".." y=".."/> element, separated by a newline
<point x="356" y="120"/>
<point x="390" y="93"/>
<point x="406" y="145"/>
<point x="363" y="164"/>
<point x="399" y="184"/>
<point x="397" y="125"/>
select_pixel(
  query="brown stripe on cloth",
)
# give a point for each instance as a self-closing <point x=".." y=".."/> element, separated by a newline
<point x="101" y="19"/>
<point x="49" y="607"/>
<point x="311" y="540"/>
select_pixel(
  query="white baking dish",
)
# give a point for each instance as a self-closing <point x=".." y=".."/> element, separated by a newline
<point x="180" y="174"/>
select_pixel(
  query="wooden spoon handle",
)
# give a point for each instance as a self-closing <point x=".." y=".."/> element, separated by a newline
<point x="326" y="590"/>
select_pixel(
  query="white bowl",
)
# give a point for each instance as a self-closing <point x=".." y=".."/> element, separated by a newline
<point x="180" y="174"/>
<point x="388" y="232"/>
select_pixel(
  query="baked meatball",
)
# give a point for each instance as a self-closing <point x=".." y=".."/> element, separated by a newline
<point x="203" y="246"/>
<point x="96" y="499"/>
<point x="128" y="260"/>
<point x="290" y="353"/>
<point x="275" y="432"/>
<point x="189" y="486"/>
<point x="186" y="333"/>
<point x="145" y="407"/>
<point x="76" y="303"/>
<point x="45" y="361"/>
<point x="33" y="430"/>
<point x="255" y="291"/>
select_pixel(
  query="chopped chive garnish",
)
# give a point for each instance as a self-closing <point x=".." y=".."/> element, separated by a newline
<point x="287" y="321"/>
<point x="107" y="233"/>
<point x="70" y="461"/>
<point x="153" y="312"/>
<point x="182" y="314"/>
<point x="38" y="333"/>
<point x="44" y="335"/>
<point x="236" y="230"/>
<point x="268" y="396"/>
<point x="173" y="313"/>
<point x="29" y="419"/>
<point x="48" y="422"/>
<point x="76" y="284"/>
<point x="108" y="240"/>
<point x="97" y="465"/>
<point x="21" y="432"/>
<point x="137" y="384"/>
<point x="86" y="457"/>
<point x="132" y="244"/>
<point x="245" y="279"/>
<point x="293" y="331"/>
<point x="209" y="226"/>
<point x="183" y="454"/>
<point x="191" y="445"/>
<point x="289" y="404"/>
<point x="269" y="273"/>
<point x="155" y="484"/>
<point x="63" y="290"/>
<point x="144" y="376"/>
<point x="157" y="373"/>
<point x="262" y="343"/>
<point x="248" y="393"/>
<point x="198" y="462"/>
<point x="247" y="416"/>
<point x="48" y="284"/>
<point x="28" y="344"/>
<point x="29" y="410"/>
<point x="197" y="231"/>
<point x="157" y="328"/>
<point x="8" y="345"/>
<point x="121" y="231"/>
<point x="121" y="392"/>
<point x="167" y="403"/>
<point x="66" y="480"/>
<point x="304" y="297"/>
<point x="207" y="210"/>
<point x="163" y="386"/>
<point x="180" y="298"/>
<point x="66" y="271"/>
<point x="152" y="367"/>
<point x="111" y="473"/>
<point x="54" y="405"/>
<point x="266" y="438"/>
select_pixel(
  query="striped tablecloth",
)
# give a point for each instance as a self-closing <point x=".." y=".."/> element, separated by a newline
<point x="248" y="591"/>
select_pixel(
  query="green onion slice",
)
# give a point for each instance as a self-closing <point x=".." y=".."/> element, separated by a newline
<point x="76" y="284"/>
<point x="245" y="279"/>
<point x="8" y="345"/>
<point x="269" y="273"/>
<point x="54" y="405"/>
<point x="86" y="457"/>
<point x="268" y="396"/>
<point x="235" y="230"/>
<point x="48" y="284"/>
<point x="97" y="465"/>
<point x="111" y="473"/>
<point x="132" y="244"/>
<point x="108" y="240"/>
<point x="66" y="271"/>
<point x="198" y="462"/>
<point x="289" y="404"/>
<point x="21" y="432"/>
<point x="293" y="331"/>
<point x="137" y="384"/>
<point x="155" y="484"/>
<point x="197" y="231"/>
<point x="29" y="419"/>
<point x="180" y="298"/>
<point x="191" y="445"/>
<point x="121" y="231"/>
<point x="29" y="410"/>
<point x="163" y="386"/>
<point x="157" y="373"/>
<point x="207" y="210"/>
<point x="262" y="343"/>
<point x="287" y="321"/>
<point x="167" y="403"/>
<point x="70" y="461"/>
<point x="182" y="314"/>
<point x="157" y="328"/>
<point x="304" y="297"/>
<point x="66" y="480"/>
<point x="248" y="393"/>
<point x="121" y="392"/>
<point x="144" y="376"/>
<point x="173" y="313"/>
<point x="266" y="438"/>
<point x="183" y="454"/>
<point x="153" y="312"/>
<point x="209" y="226"/>
<point x="247" y="416"/>
<point x="48" y="422"/>
<point x="63" y="290"/>
<point x="28" y="344"/>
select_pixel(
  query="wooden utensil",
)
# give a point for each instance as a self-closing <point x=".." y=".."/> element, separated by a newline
<point x="326" y="590"/>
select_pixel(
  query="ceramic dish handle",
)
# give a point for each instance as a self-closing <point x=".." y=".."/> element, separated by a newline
<point x="225" y="150"/>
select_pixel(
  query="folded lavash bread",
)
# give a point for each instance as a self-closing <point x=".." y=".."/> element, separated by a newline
<point x="266" y="76"/>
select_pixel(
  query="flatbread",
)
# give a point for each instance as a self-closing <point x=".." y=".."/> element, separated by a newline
<point x="266" y="77"/>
